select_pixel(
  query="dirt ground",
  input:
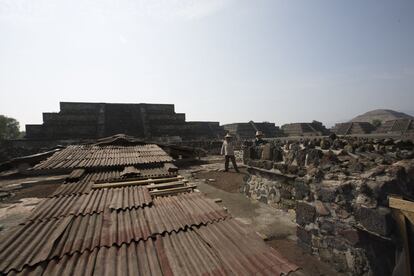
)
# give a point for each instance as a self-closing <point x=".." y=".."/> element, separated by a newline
<point x="277" y="226"/>
<point x="228" y="181"/>
<point x="33" y="190"/>
<point x="21" y="195"/>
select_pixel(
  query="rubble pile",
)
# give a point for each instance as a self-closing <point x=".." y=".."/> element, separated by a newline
<point x="339" y="188"/>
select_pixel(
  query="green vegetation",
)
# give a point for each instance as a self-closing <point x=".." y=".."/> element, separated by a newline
<point x="376" y="123"/>
<point x="9" y="128"/>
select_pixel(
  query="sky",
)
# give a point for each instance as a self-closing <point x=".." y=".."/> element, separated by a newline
<point x="230" y="61"/>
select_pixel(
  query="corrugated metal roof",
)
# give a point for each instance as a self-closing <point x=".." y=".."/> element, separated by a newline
<point x="94" y="202"/>
<point x="87" y="156"/>
<point x="177" y="212"/>
<point x="58" y="237"/>
<point x="119" y="231"/>
<point x="84" y="185"/>
<point x="223" y="248"/>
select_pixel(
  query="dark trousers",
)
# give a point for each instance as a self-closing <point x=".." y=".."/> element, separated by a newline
<point x="233" y="161"/>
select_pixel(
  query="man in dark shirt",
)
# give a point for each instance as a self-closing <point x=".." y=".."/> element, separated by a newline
<point x="259" y="139"/>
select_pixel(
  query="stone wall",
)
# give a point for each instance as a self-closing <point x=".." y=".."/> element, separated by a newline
<point x="339" y="190"/>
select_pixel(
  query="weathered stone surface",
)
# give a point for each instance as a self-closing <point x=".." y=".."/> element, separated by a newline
<point x="267" y="152"/>
<point x="301" y="157"/>
<point x="321" y="209"/>
<point x="350" y="235"/>
<point x="305" y="213"/>
<point x="314" y="156"/>
<point x="327" y="194"/>
<point x="292" y="169"/>
<point x="336" y="243"/>
<point x="268" y="165"/>
<point x="304" y="235"/>
<point x="327" y="227"/>
<point x="302" y="189"/>
<point x="340" y="199"/>
<point x="277" y="154"/>
<point x="377" y="220"/>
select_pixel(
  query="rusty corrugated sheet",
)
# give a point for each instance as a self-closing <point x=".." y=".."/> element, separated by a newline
<point x="177" y="212"/>
<point x="223" y="248"/>
<point x="133" y="259"/>
<point x="87" y="156"/>
<point x="75" y="174"/>
<point x="109" y="228"/>
<point x="242" y="251"/>
<point x="117" y="232"/>
<point x="94" y="202"/>
<point x="84" y="185"/>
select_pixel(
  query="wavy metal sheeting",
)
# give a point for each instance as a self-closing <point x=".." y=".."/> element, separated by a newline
<point x="43" y="240"/>
<point x="94" y="202"/>
<point x="84" y="185"/>
<point x="223" y="248"/>
<point x="87" y="156"/>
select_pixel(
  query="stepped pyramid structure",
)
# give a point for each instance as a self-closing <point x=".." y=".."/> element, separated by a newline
<point x="314" y="128"/>
<point x="96" y="120"/>
<point x="352" y="128"/>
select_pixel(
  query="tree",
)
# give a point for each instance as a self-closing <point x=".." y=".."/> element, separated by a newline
<point x="376" y="123"/>
<point x="9" y="128"/>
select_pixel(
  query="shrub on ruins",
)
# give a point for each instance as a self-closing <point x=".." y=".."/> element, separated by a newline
<point x="9" y="128"/>
<point x="338" y="144"/>
<point x="325" y="144"/>
<point x="349" y="148"/>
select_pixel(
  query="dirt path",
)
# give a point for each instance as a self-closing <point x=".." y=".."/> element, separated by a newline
<point x="277" y="225"/>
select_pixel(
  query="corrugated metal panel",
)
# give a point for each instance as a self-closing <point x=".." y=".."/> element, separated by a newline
<point x="86" y="156"/>
<point x="129" y="197"/>
<point x="84" y="185"/>
<point x="85" y="233"/>
<point x="75" y="174"/>
<point x="30" y="244"/>
<point x="94" y="202"/>
<point x="223" y="248"/>
<point x="242" y="251"/>
<point x="177" y="212"/>
<point x="134" y="259"/>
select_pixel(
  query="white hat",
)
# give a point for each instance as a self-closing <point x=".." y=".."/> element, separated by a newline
<point x="228" y="136"/>
<point x="259" y="133"/>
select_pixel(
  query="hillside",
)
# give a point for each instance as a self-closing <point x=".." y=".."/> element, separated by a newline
<point x="382" y="115"/>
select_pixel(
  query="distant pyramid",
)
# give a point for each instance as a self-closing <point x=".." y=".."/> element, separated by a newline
<point x="381" y="114"/>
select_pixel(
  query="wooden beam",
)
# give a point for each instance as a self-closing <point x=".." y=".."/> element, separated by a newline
<point x="165" y="185"/>
<point x="173" y="190"/>
<point x="402" y="227"/>
<point x="400" y="204"/>
<point x="135" y="183"/>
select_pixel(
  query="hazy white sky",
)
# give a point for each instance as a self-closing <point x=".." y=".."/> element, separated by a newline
<point x="228" y="61"/>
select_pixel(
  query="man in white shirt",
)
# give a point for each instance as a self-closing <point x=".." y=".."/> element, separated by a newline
<point x="227" y="149"/>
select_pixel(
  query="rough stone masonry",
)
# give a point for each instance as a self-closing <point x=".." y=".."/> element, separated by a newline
<point x="338" y="188"/>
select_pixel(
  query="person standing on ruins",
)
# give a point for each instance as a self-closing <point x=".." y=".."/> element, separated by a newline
<point x="259" y="139"/>
<point x="227" y="149"/>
